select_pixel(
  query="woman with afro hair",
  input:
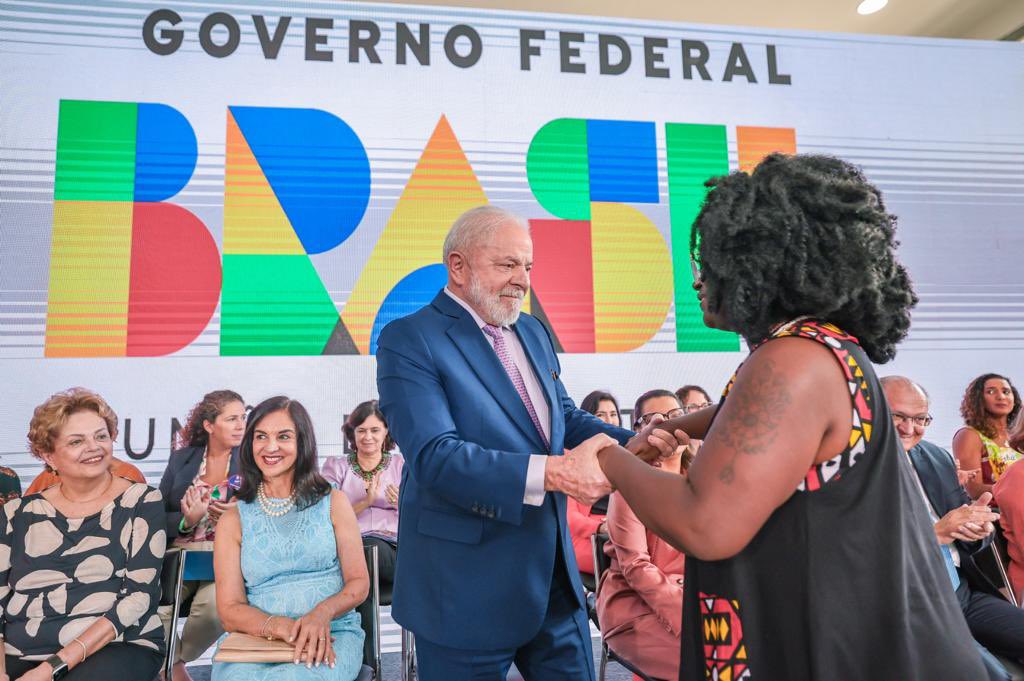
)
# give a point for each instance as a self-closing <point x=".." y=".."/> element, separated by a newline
<point x="810" y="554"/>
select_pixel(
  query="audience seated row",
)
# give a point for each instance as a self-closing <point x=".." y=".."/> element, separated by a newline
<point x="962" y="527"/>
<point x="90" y="534"/>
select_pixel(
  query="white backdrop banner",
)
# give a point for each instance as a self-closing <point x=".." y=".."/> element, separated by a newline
<point x="197" y="196"/>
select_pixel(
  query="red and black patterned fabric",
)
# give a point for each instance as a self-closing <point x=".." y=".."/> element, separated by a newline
<point x="844" y="581"/>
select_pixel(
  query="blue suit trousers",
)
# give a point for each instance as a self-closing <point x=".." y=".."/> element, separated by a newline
<point x="561" y="650"/>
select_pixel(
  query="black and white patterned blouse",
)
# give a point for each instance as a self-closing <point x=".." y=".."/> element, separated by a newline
<point x="58" y="575"/>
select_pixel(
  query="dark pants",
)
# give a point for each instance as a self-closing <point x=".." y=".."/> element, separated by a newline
<point x="995" y="623"/>
<point x="386" y="555"/>
<point x="561" y="651"/>
<point x="112" y="662"/>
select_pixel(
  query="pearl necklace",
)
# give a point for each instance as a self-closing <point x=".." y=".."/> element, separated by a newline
<point x="275" y="508"/>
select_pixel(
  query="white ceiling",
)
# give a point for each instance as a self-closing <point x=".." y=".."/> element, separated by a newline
<point x="982" y="19"/>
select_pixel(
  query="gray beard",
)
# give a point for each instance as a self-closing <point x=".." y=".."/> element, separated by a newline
<point x="493" y="311"/>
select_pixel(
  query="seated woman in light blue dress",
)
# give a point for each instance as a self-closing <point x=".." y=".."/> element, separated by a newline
<point x="289" y="558"/>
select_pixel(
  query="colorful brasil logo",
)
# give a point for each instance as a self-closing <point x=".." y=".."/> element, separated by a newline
<point x="134" y="275"/>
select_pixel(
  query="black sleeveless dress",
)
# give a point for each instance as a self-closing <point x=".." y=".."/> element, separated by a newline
<point x="845" y="580"/>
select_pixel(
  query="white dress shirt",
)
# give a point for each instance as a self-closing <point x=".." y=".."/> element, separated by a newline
<point x="534" y="494"/>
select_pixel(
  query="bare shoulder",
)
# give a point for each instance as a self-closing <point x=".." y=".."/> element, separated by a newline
<point x="230" y="523"/>
<point x="784" y="371"/>
<point x="966" y="437"/>
<point x="796" y="360"/>
<point x="340" y="505"/>
<point x="790" y="384"/>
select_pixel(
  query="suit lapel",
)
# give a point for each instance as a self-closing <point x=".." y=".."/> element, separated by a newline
<point x="925" y="468"/>
<point x="480" y="356"/>
<point x="233" y="466"/>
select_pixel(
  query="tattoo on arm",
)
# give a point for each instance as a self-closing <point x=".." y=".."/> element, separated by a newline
<point x="752" y="422"/>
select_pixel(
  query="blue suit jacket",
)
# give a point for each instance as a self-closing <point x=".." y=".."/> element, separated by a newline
<point x="937" y="472"/>
<point x="475" y="564"/>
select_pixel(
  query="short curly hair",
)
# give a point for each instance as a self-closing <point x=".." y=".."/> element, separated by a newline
<point x="803" y="235"/>
<point x="50" y="416"/>
<point x="972" y="407"/>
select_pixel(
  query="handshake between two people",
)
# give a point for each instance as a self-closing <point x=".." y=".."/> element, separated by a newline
<point x="579" y="474"/>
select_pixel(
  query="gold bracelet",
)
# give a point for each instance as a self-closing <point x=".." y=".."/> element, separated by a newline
<point x="85" y="650"/>
<point x="263" y="629"/>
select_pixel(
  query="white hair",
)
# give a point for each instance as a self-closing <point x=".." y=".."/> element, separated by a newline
<point x="475" y="227"/>
<point x="894" y="380"/>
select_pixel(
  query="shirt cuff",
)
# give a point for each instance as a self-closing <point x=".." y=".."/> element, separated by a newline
<point x="534" y="495"/>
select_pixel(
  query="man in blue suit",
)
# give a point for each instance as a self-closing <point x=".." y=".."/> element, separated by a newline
<point x="962" y="527"/>
<point x="486" y="574"/>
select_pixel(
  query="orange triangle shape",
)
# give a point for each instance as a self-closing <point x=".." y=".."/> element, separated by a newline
<point x="254" y="222"/>
<point x="441" y="187"/>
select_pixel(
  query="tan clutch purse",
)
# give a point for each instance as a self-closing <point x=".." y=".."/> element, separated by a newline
<point x="239" y="647"/>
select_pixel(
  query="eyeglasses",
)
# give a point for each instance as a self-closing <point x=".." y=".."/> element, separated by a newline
<point x="646" y="418"/>
<point x="691" y="408"/>
<point x="695" y="270"/>
<point x="921" y="421"/>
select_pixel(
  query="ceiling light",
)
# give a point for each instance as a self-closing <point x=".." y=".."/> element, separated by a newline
<point x="871" y="6"/>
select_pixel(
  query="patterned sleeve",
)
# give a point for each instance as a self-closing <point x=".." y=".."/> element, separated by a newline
<point x="145" y="540"/>
<point x="6" y="541"/>
<point x="10" y="484"/>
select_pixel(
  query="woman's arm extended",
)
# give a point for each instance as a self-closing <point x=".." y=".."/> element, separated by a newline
<point x="788" y="408"/>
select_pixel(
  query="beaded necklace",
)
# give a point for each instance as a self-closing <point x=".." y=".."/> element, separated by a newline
<point x="275" y="508"/>
<point x="367" y="476"/>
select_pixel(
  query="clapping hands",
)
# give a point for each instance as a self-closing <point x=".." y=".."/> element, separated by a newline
<point x="967" y="523"/>
<point x="217" y="508"/>
<point x="194" y="505"/>
<point x="391" y="495"/>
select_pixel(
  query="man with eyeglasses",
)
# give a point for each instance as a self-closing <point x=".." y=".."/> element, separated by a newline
<point x="665" y="404"/>
<point x="694" y="398"/>
<point x="961" y="527"/>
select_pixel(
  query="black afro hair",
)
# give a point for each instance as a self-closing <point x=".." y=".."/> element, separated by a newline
<point x="803" y="235"/>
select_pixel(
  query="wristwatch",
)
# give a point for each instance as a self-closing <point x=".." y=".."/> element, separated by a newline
<point x="60" y="667"/>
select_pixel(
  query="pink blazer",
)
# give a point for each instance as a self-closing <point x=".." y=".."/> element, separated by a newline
<point x="1008" y="493"/>
<point x="582" y="526"/>
<point x="381" y="518"/>
<point x="645" y="577"/>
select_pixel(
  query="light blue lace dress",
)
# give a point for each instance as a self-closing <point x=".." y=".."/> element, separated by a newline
<point x="290" y="564"/>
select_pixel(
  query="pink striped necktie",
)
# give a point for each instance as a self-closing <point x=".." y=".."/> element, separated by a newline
<point x="505" y="357"/>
